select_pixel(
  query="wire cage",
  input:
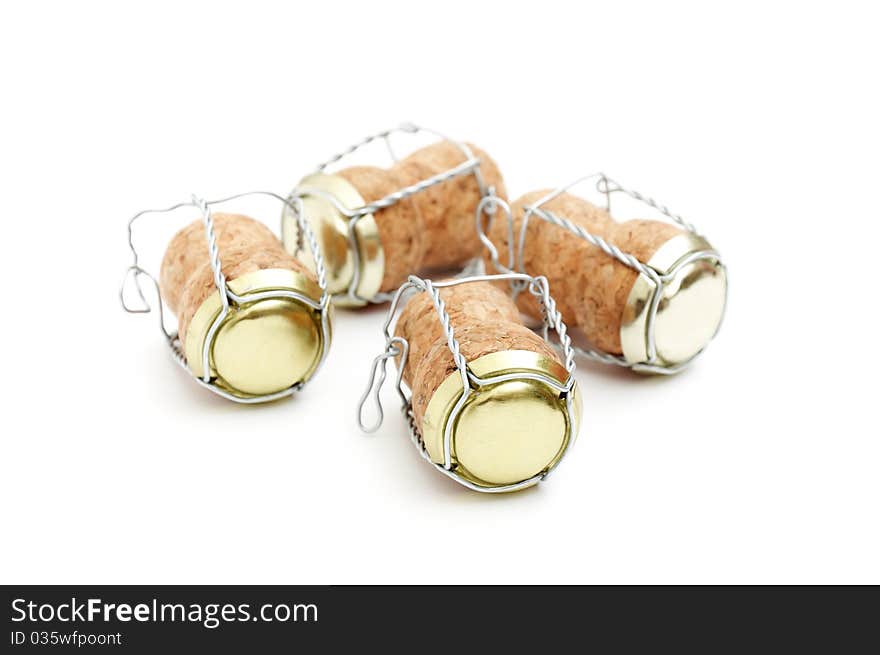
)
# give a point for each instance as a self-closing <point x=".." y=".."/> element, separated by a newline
<point x="356" y="215"/>
<point x="656" y="279"/>
<point x="229" y="299"/>
<point x="397" y="347"/>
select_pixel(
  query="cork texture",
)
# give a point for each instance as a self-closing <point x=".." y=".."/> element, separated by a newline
<point x="435" y="228"/>
<point x="235" y="262"/>
<point x="448" y="209"/>
<point x="400" y="226"/>
<point x="245" y="245"/>
<point x="188" y="250"/>
<point x="485" y="320"/>
<point x="590" y="287"/>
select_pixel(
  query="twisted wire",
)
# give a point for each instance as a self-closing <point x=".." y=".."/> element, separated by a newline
<point x="465" y="168"/>
<point x="663" y="209"/>
<point x="177" y="353"/>
<point x="227" y="296"/>
<point x="213" y="248"/>
<point x="306" y="230"/>
<point x="342" y="154"/>
<point x="446" y="324"/>
<point x="599" y="242"/>
<point x="471" y="165"/>
<point x="540" y="287"/>
<point x="552" y="317"/>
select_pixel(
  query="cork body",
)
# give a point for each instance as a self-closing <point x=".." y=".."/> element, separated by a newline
<point x="401" y="230"/>
<point x="188" y="250"/>
<point x="590" y="288"/>
<point x="436" y="227"/>
<point x="245" y="246"/>
<point x="485" y="320"/>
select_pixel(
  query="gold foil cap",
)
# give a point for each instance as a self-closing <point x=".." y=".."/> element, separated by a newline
<point x="506" y="432"/>
<point x="331" y="229"/>
<point x="690" y="309"/>
<point x="261" y="347"/>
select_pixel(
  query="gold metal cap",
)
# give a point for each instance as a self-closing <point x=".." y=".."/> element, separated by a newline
<point x="690" y="309"/>
<point x="331" y="230"/>
<point x="506" y="432"/>
<point x="261" y="347"/>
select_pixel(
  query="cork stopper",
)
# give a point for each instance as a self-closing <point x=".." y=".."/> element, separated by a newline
<point x="188" y="249"/>
<point x="435" y="228"/>
<point x="596" y="292"/>
<point x="448" y="209"/>
<point x="261" y="346"/>
<point x="508" y="432"/>
<point x="400" y="226"/>
<point x="235" y="263"/>
<point x="467" y="305"/>
<point x="475" y="340"/>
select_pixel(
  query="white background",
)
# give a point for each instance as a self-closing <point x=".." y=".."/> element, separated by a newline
<point x="757" y="122"/>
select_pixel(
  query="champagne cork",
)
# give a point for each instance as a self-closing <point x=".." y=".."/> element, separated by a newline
<point x="605" y="298"/>
<point x="235" y="263"/>
<point x="261" y="347"/>
<point x="448" y="209"/>
<point x="188" y="249"/>
<point x="506" y="432"/>
<point x="401" y="228"/>
<point x="435" y="228"/>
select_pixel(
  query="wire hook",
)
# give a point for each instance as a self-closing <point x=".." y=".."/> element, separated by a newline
<point x="374" y="384"/>
<point x="133" y="273"/>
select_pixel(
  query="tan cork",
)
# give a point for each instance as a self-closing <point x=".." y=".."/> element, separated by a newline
<point x="188" y="249"/>
<point x="245" y="248"/>
<point x="435" y="228"/>
<point x="590" y="287"/>
<point x="484" y="319"/>
<point x="400" y="226"/>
